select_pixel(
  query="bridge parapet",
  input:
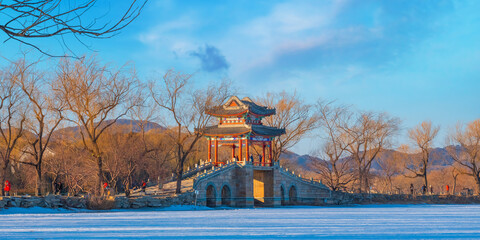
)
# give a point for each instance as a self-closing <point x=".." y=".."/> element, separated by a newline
<point x="214" y="171"/>
<point x="202" y="166"/>
<point x="316" y="183"/>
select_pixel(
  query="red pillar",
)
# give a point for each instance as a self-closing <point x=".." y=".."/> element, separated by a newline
<point x="263" y="155"/>
<point x="209" y="149"/>
<point x="240" y="149"/>
<point x="247" y="149"/>
<point x="233" y="151"/>
<point x="216" y="151"/>
<point x="270" y="157"/>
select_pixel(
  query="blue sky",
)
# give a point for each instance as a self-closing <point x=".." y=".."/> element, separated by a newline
<point x="417" y="60"/>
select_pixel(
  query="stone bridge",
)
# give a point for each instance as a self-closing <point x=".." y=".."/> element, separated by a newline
<point x="243" y="184"/>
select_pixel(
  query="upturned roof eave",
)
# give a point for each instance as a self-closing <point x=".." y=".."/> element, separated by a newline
<point x="225" y="134"/>
<point x="263" y="115"/>
<point x="275" y="133"/>
<point x="225" y="115"/>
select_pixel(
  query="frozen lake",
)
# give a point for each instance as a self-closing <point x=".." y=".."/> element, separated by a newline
<point x="356" y="222"/>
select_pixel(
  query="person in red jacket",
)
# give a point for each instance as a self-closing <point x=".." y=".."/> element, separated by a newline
<point x="6" y="188"/>
<point x="144" y="186"/>
<point x="105" y="189"/>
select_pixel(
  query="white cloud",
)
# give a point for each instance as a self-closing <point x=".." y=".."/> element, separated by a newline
<point x="173" y="35"/>
<point x="288" y="27"/>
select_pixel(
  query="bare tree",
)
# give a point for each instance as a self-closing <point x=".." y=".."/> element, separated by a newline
<point x="26" y="20"/>
<point x="368" y="135"/>
<point x="422" y="136"/>
<point x="455" y="172"/>
<point x="185" y="110"/>
<point x="332" y="161"/>
<point x="95" y="97"/>
<point x="157" y="149"/>
<point x="122" y="152"/>
<point x="390" y="165"/>
<point x="12" y="115"/>
<point x="68" y="168"/>
<point x="466" y="149"/>
<point x="43" y="119"/>
<point x="293" y="115"/>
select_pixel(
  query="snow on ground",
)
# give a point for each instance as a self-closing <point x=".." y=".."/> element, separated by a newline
<point x="353" y="222"/>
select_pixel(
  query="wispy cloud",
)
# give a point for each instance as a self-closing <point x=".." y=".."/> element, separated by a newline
<point x="287" y="27"/>
<point x="315" y="36"/>
<point x="174" y="35"/>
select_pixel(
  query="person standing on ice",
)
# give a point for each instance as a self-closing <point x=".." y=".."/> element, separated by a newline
<point x="448" y="189"/>
<point x="411" y="188"/>
<point x="6" y="188"/>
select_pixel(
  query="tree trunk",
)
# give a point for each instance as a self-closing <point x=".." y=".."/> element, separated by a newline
<point x="363" y="187"/>
<point x="127" y="187"/>
<point x="100" y="176"/>
<point x="2" y="179"/>
<point x="38" y="183"/>
<point x="425" y="179"/>
<point x="390" y="184"/>
<point x="477" y="181"/>
<point x="180" y="173"/>
<point x="52" y="185"/>
<point x="367" y="184"/>
<point x="360" y="180"/>
<point x="179" y="179"/>
<point x="454" y="184"/>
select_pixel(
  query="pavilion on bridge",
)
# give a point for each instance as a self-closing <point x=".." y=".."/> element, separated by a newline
<point x="240" y="127"/>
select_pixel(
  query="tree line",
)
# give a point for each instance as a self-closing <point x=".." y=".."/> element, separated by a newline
<point x="61" y="128"/>
<point x="90" y="98"/>
<point x="354" y="140"/>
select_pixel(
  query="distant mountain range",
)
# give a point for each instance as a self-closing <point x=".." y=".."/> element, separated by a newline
<point x="123" y="125"/>
<point x="440" y="158"/>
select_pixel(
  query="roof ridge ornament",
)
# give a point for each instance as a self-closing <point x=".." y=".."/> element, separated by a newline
<point x="247" y="99"/>
<point x="234" y="102"/>
<point x="234" y="107"/>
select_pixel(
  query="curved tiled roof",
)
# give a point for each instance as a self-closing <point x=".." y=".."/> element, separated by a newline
<point x="260" y="110"/>
<point x="267" y="131"/>
<point x="260" y="130"/>
<point x="220" y="111"/>
<point x="240" y="107"/>
<point x="217" y="131"/>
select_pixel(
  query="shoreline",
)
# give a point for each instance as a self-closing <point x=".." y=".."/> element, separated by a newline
<point x="155" y="203"/>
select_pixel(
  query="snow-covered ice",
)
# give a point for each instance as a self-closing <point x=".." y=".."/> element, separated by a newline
<point x="353" y="222"/>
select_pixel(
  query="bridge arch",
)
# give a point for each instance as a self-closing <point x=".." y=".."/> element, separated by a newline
<point x="282" y="195"/>
<point x="226" y="195"/>
<point x="211" y="195"/>
<point x="292" y="195"/>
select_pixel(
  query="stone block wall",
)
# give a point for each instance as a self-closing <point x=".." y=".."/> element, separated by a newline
<point x="51" y="201"/>
<point x="257" y="186"/>
<point x="298" y="191"/>
<point x="238" y="180"/>
<point x="57" y="201"/>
